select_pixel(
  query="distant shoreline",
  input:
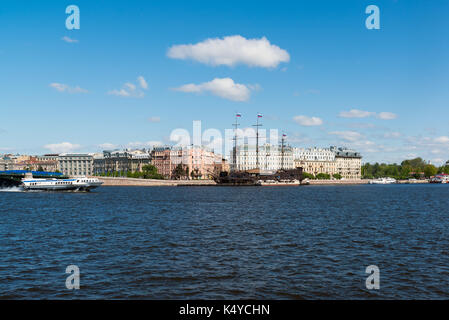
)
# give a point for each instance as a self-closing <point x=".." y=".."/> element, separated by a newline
<point x="135" y="182"/>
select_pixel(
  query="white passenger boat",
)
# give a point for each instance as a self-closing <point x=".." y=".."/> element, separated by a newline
<point x="383" y="181"/>
<point x="73" y="184"/>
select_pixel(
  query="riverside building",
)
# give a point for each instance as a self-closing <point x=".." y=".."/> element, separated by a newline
<point x="121" y="161"/>
<point x="76" y="164"/>
<point x="195" y="162"/>
<point x="333" y="160"/>
<point x="268" y="158"/>
<point x="348" y="163"/>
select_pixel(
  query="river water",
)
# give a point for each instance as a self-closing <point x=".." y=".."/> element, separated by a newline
<point x="311" y="242"/>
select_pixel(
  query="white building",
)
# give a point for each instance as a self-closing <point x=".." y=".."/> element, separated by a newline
<point x="76" y="164"/>
<point x="314" y="154"/>
<point x="269" y="158"/>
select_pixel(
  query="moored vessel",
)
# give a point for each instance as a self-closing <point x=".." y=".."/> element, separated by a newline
<point x="387" y="180"/>
<point x="440" y="178"/>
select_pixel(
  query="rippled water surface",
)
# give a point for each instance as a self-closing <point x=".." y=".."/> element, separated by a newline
<point x="310" y="242"/>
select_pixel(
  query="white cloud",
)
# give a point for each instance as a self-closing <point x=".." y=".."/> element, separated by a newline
<point x="222" y="87"/>
<point x="438" y="161"/>
<point x="392" y="135"/>
<point x="232" y="50"/>
<point x="139" y="145"/>
<point x="69" y="40"/>
<point x="143" y="84"/>
<point x="62" y="147"/>
<point x="154" y="119"/>
<point x="354" y="113"/>
<point x="66" y="88"/>
<point x="108" y="146"/>
<point x="387" y="116"/>
<point x="308" y="121"/>
<point x="351" y="136"/>
<point x="442" y="139"/>
<point x="130" y="90"/>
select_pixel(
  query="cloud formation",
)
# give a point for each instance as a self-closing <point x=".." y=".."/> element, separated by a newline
<point x="308" y="121"/>
<point x="224" y="88"/>
<point x="108" y="146"/>
<point x="387" y="116"/>
<point x="143" y="84"/>
<point x="231" y="51"/>
<point x="69" y="40"/>
<point x="442" y="139"/>
<point x="355" y="113"/>
<point x="140" y="145"/>
<point x="66" y="88"/>
<point x="130" y="90"/>
<point x="62" y="147"/>
<point x="350" y="136"/>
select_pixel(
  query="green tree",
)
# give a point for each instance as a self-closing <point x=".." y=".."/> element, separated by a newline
<point x="179" y="172"/>
<point x="337" y="176"/>
<point x="323" y="176"/>
<point x="307" y="175"/>
<point x="430" y="170"/>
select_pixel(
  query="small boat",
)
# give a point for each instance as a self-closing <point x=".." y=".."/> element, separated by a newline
<point x="440" y="178"/>
<point x="74" y="184"/>
<point x="383" y="181"/>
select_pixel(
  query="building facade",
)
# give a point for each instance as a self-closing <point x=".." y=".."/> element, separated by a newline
<point x="26" y="162"/>
<point x="269" y="158"/>
<point x="121" y="161"/>
<point x="191" y="162"/>
<point x="348" y="163"/>
<point x="76" y="164"/>
<point x="333" y="160"/>
<point x="315" y="160"/>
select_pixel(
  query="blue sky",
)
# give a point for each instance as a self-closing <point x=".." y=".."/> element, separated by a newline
<point x="303" y="64"/>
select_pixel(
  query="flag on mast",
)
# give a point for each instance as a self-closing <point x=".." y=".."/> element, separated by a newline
<point x="259" y="115"/>
<point x="238" y="115"/>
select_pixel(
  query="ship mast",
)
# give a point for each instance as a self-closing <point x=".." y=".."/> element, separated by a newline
<point x="282" y="151"/>
<point x="234" y="154"/>
<point x="257" y="125"/>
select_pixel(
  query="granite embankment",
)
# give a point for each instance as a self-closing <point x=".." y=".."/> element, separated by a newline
<point x="360" y="181"/>
<point x="110" y="181"/>
<point x="338" y="182"/>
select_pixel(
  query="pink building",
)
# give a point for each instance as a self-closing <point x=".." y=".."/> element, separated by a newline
<point x="192" y="162"/>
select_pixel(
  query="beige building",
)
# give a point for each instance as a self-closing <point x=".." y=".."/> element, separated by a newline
<point x="315" y="160"/>
<point x="76" y="164"/>
<point x="348" y="163"/>
<point x="333" y="160"/>
<point x="121" y="161"/>
<point x="316" y="167"/>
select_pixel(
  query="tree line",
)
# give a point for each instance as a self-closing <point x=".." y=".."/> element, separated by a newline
<point x="148" y="172"/>
<point x="413" y="168"/>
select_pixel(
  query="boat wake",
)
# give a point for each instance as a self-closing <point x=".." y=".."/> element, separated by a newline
<point x="12" y="189"/>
